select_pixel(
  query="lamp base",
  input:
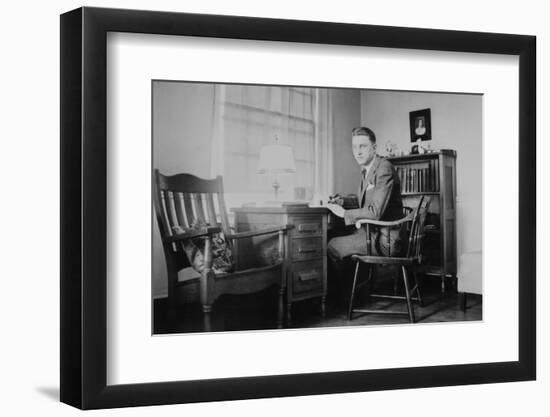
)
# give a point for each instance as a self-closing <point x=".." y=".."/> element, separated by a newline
<point x="276" y="187"/>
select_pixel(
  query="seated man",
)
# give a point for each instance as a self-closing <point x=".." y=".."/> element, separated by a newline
<point x="379" y="199"/>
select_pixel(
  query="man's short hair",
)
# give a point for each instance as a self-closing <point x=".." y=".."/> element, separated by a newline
<point x="364" y="131"/>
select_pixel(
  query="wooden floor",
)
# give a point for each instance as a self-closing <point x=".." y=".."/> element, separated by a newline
<point x="258" y="311"/>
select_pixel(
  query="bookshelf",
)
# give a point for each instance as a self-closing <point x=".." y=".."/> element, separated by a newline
<point x="433" y="174"/>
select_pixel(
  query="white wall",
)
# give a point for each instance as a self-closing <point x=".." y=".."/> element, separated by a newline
<point x="456" y="121"/>
<point x="182" y="131"/>
<point x="182" y="127"/>
<point x="347" y="115"/>
<point x="30" y="303"/>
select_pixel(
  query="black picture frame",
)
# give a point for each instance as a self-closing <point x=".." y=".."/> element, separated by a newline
<point x="84" y="179"/>
<point x="423" y="116"/>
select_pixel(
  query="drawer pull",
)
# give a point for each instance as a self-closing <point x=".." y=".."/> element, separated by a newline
<point x="308" y="276"/>
<point x="307" y="250"/>
<point x="308" y="227"/>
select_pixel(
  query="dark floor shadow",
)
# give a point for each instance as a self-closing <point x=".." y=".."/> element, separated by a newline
<point x="434" y="312"/>
<point x="472" y="304"/>
<point x="50" y="392"/>
<point x="429" y="302"/>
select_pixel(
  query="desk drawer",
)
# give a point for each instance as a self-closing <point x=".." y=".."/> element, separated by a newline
<point x="307" y="277"/>
<point x="307" y="226"/>
<point x="307" y="248"/>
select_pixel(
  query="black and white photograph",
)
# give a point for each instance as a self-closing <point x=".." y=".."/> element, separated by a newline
<point x="291" y="207"/>
<point x="272" y="209"/>
<point x="420" y="121"/>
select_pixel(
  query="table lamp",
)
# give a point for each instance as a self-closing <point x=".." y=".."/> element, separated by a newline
<point x="276" y="159"/>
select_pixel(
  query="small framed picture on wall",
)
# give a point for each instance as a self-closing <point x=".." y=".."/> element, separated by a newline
<point x="420" y="124"/>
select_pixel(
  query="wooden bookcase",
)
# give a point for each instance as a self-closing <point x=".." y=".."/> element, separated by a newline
<point x="433" y="174"/>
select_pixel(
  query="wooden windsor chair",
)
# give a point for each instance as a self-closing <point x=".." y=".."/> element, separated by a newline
<point x="414" y="224"/>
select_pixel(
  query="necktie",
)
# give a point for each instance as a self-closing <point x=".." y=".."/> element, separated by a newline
<point x="363" y="185"/>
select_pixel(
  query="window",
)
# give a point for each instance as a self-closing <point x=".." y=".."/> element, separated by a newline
<point x="250" y="117"/>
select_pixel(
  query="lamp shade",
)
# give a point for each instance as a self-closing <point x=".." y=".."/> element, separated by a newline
<point x="277" y="159"/>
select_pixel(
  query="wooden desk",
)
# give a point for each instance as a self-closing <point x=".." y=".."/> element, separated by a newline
<point x="306" y="266"/>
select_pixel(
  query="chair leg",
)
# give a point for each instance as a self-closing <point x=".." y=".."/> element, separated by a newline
<point x="280" y="307"/>
<point x="172" y="302"/>
<point x="350" y="308"/>
<point x="420" y="301"/>
<point x="408" y="294"/>
<point x="288" y="313"/>
<point x="207" y="320"/>
<point x="207" y="298"/>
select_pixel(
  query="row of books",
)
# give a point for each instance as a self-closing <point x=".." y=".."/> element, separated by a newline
<point x="419" y="180"/>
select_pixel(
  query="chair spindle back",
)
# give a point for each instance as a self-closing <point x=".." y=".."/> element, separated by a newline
<point x="185" y="200"/>
<point x="417" y="232"/>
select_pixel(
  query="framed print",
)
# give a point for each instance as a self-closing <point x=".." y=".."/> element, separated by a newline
<point x="210" y="206"/>
<point x="421" y="125"/>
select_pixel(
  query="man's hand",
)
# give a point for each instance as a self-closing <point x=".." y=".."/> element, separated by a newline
<point x="336" y="209"/>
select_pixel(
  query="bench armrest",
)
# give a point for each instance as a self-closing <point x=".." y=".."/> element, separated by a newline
<point x="191" y="233"/>
<point x="260" y="232"/>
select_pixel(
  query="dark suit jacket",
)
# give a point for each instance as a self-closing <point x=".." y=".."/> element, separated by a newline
<point x="379" y="199"/>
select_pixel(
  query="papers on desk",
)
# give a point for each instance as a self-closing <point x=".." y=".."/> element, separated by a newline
<point x="277" y="204"/>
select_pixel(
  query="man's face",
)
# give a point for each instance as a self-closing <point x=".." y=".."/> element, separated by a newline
<point x="363" y="149"/>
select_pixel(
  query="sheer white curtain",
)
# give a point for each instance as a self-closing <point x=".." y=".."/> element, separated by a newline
<point x="324" y="170"/>
<point x="249" y="117"/>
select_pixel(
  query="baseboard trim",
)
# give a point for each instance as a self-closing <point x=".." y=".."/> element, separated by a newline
<point x="159" y="296"/>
